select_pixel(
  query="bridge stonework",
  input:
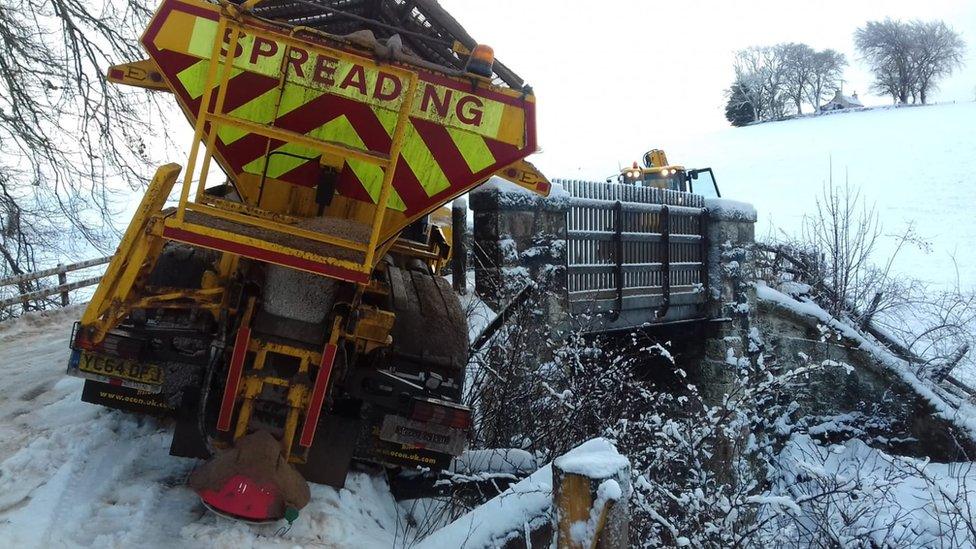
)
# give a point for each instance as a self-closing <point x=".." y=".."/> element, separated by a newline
<point x="520" y="237"/>
<point x="729" y="241"/>
<point x="616" y="258"/>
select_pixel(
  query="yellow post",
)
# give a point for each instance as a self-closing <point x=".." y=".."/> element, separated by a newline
<point x="109" y="290"/>
<point x="201" y="120"/>
<point x="591" y="503"/>
<point x="297" y="401"/>
<point x="399" y="135"/>
<point x="225" y="73"/>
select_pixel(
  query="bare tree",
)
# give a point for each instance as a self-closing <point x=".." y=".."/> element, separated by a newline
<point x="938" y="51"/>
<point x="70" y="139"/>
<point x="827" y="70"/>
<point x="799" y="71"/>
<point x="771" y="79"/>
<point x="908" y="59"/>
<point x="886" y="46"/>
<point x="843" y="232"/>
<point x="749" y="81"/>
<point x="761" y="71"/>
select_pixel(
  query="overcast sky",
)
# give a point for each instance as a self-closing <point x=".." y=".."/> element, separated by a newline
<point x="617" y="77"/>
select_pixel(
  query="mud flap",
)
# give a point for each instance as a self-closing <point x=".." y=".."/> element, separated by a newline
<point x="331" y="451"/>
<point x="188" y="439"/>
<point x="126" y="399"/>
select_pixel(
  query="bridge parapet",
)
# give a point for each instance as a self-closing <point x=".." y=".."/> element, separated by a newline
<point x="635" y="254"/>
<point x="520" y="237"/>
<point x="619" y="256"/>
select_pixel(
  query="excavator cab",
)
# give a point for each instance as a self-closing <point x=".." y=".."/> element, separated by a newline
<point x="658" y="173"/>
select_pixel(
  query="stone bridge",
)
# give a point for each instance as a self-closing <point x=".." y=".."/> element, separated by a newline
<point x="616" y="257"/>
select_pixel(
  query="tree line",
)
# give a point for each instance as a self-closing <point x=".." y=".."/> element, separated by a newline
<point x="907" y="59"/>
<point x="775" y="81"/>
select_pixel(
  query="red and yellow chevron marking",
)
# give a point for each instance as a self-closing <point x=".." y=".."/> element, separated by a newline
<point x="461" y="131"/>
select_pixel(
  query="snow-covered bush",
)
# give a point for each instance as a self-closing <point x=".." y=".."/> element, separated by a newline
<point x="834" y="261"/>
<point x="700" y="468"/>
<point x="850" y="495"/>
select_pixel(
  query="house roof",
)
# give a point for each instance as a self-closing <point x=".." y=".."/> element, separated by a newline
<point x="426" y="28"/>
<point x="845" y="100"/>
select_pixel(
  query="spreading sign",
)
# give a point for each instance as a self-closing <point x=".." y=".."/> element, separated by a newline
<point x="458" y="134"/>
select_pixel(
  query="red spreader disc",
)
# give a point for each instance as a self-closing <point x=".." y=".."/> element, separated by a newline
<point x="242" y="497"/>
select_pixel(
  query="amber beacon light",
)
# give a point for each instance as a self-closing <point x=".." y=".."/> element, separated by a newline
<point x="481" y="61"/>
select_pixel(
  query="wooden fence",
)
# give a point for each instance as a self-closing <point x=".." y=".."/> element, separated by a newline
<point x="28" y="295"/>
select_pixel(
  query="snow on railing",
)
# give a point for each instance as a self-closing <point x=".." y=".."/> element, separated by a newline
<point x="599" y="190"/>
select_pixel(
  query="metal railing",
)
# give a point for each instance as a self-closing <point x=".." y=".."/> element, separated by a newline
<point x="23" y="281"/>
<point x="631" y="247"/>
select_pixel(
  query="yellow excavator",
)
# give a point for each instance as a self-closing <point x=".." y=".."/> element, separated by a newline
<point x="290" y="315"/>
<point x="657" y="172"/>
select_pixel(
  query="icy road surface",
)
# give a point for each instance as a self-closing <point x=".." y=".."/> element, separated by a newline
<point x="77" y="475"/>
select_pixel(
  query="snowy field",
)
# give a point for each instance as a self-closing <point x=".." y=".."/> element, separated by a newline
<point x="915" y="164"/>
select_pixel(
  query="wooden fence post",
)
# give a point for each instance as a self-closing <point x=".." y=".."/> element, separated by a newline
<point x="25" y="284"/>
<point x="62" y="280"/>
<point x="590" y="492"/>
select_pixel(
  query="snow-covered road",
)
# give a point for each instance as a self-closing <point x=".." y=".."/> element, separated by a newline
<point x="77" y="475"/>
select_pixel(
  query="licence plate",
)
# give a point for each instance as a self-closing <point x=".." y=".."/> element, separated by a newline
<point x="428" y="436"/>
<point x="107" y="368"/>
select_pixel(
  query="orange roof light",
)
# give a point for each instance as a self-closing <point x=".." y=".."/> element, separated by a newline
<point x="481" y="61"/>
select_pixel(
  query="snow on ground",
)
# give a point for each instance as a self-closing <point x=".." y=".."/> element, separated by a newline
<point x="857" y="493"/>
<point x="860" y="493"/>
<point x="478" y="314"/>
<point x="916" y="164"/>
<point x="78" y="475"/>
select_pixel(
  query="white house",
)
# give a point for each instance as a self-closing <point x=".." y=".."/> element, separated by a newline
<point x="841" y="101"/>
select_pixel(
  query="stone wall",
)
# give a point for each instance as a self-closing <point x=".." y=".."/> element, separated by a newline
<point x="729" y="238"/>
<point x="871" y="401"/>
<point x="520" y="237"/>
